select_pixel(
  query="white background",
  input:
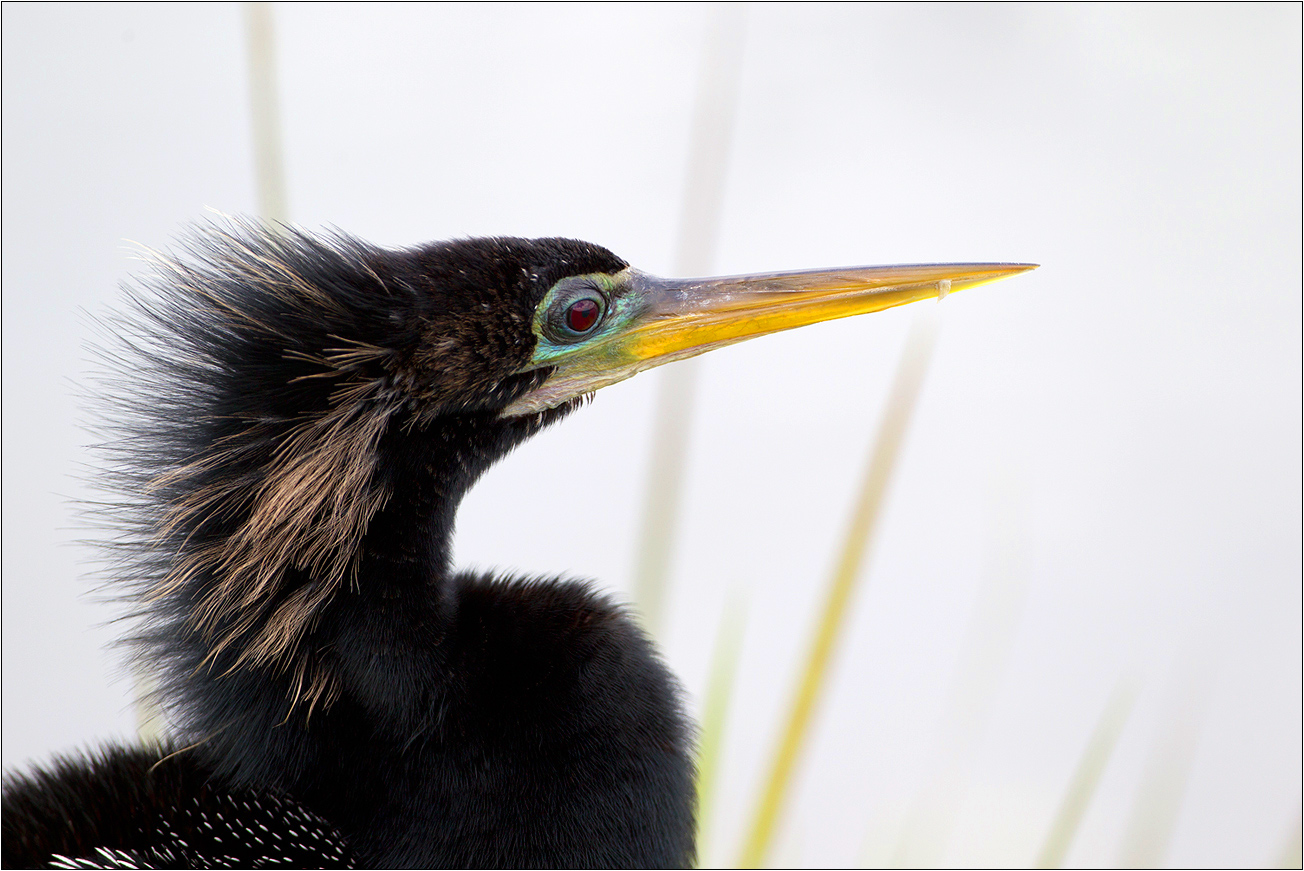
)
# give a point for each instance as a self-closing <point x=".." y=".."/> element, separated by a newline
<point x="1102" y="479"/>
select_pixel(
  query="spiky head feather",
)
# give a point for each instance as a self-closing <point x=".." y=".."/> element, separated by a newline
<point x="259" y="376"/>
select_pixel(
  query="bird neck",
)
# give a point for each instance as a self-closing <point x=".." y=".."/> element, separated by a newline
<point x="408" y="543"/>
<point x="372" y="639"/>
<point x="386" y="630"/>
<point x="425" y="473"/>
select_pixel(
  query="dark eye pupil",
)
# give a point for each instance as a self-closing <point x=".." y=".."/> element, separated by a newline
<point x="582" y="315"/>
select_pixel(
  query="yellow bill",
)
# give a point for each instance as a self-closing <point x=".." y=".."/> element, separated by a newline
<point x="596" y="330"/>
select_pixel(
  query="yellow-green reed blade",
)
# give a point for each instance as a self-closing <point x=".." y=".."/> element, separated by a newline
<point x="1292" y="852"/>
<point x="269" y="171"/>
<point x="896" y="417"/>
<point x="715" y="713"/>
<point x="699" y="228"/>
<point x="1091" y="765"/>
<point x="1163" y="782"/>
<point x="264" y="102"/>
<point x="993" y="625"/>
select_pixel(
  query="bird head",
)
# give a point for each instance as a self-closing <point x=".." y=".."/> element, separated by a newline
<point x="592" y="330"/>
<point x="285" y="396"/>
<point x="522" y="326"/>
<point x="525" y="326"/>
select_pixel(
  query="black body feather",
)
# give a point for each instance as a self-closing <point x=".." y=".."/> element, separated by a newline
<point x="295" y="423"/>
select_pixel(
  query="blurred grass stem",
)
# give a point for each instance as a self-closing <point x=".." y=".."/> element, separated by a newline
<point x="1163" y="781"/>
<point x="883" y="457"/>
<point x="264" y="103"/>
<point x="982" y="661"/>
<point x="1292" y="852"/>
<point x="1086" y="777"/>
<point x="269" y="172"/>
<point x="149" y="716"/>
<point x="699" y="230"/>
<point x="715" y="713"/>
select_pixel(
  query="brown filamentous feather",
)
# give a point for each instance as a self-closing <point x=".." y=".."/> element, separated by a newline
<point x="261" y="369"/>
<point x="304" y="488"/>
<point x="290" y="423"/>
<point x="309" y="513"/>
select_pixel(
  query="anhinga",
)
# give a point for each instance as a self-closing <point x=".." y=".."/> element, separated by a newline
<point x="298" y="419"/>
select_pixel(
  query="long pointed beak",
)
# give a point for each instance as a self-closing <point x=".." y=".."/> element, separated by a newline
<point x="659" y="320"/>
<point x="689" y="316"/>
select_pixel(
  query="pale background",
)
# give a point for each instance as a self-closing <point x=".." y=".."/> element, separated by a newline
<point x="1101" y="484"/>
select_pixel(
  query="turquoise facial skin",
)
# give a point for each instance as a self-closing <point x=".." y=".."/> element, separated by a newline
<point x="647" y="321"/>
<point x="599" y="357"/>
<point x="553" y="344"/>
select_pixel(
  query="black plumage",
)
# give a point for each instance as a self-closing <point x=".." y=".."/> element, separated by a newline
<point x="294" y="424"/>
<point x="290" y="423"/>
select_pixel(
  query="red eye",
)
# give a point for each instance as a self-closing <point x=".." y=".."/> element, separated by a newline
<point x="582" y="315"/>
